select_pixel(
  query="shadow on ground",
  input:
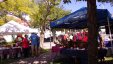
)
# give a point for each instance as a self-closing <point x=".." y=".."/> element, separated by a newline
<point x="108" y="60"/>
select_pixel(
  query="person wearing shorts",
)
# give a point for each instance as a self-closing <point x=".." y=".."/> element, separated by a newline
<point x="34" y="44"/>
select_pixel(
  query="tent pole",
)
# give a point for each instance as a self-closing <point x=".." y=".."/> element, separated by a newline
<point x="50" y="39"/>
<point x="110" y="35"/>
<point x="51" y="45"/>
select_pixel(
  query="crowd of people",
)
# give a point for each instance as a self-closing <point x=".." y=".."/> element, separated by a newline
<point x="72" y="40"/>
<point x="28" y="44"/>
<point x="80" y="38"/>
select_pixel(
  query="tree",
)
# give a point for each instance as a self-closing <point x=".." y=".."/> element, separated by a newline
<point x="92" y="29"/>
<point x="16" y="7"/>
<point x="48" y="11"/>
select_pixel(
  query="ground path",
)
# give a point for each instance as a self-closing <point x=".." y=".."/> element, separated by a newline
<point x="44" y="58"/>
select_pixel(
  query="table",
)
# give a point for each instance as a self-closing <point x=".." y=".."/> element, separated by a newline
<point x="4" y="51"/>
<point x="9" y="52"/>
<point x="78" y="54"/>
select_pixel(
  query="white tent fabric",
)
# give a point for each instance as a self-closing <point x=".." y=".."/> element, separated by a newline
<point x="14" y="27"/>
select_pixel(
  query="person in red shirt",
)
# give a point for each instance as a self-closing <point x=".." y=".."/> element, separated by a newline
<point x="85" y="38"/>
<point x="25" y="46"/>
<point x="75" y="38"/>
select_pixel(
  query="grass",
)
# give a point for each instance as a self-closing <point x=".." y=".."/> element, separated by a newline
<point x="108" y="58"/>
<point x="43" y="50"/>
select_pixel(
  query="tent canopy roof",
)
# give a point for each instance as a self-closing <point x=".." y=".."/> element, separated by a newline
<point x="78" y="19"/>
<point x="14" y="27"/>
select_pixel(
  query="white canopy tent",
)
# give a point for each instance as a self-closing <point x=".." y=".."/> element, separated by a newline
<point x="13" y="27"/>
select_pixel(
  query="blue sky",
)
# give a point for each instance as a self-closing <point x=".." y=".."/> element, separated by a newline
<point x="73" y="6"/>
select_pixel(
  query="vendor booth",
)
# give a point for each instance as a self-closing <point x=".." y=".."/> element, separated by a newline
<point x="78" y="20"/>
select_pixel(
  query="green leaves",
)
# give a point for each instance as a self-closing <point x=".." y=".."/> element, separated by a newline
<point x="57" y="13"/>
<point x="40" y="13"/>
<point x="1" y="22"/>
<point x="48" y="10"/>
<point x="18" y="6"/>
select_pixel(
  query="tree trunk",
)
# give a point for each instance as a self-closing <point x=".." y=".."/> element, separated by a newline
<point x="54" y="35"/>
<point x="92" y="32"/>
<point x="41" y="37"/>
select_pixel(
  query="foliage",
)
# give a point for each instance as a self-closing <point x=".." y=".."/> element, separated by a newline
<point x="1" y="22"/>
<point x="57" y="13"/>
<point x="17" y="7"/>
<point x="48" y="10"/>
